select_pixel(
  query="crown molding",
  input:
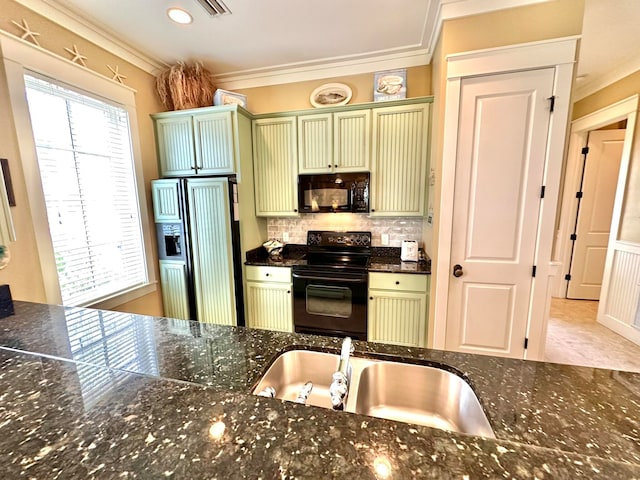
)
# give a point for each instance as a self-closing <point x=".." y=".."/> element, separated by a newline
<point x="98" y="35"/>
<point x="590" y="87"/>
<point x="325" y="69"/>
<point x="409" y="56"/>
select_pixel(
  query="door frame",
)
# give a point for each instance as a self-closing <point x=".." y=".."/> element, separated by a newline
<point x="580" y="128"/>
<point x="559" y="54"/>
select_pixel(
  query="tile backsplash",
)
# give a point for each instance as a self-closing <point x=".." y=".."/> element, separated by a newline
<point x="398" y="229"/>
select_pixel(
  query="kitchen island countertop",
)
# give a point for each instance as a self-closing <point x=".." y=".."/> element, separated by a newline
<point x="97" y="394"/>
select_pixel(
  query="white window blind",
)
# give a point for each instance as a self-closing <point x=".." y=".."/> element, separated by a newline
<point x="116" y="340"/>
<point x="84" y="155"/>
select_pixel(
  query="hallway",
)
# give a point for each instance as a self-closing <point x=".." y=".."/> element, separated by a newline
<point x="574" y="337"/>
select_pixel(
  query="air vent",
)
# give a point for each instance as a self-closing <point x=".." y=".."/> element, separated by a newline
<point x="214" y="7"/>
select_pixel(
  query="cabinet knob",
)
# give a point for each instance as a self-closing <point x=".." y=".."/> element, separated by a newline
<point x="267" y="274"/>
<point x="335" y="165"/>
<point x="370" y="298"/>
<point x="329" y="166"/>
<point x="397" y="283"/>
<point x="373" y="209"/>
<point x="288" y="291"/>
<point x="295" y="209"/>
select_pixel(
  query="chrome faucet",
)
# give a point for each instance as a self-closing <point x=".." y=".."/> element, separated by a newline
<point x="339" y="388"/>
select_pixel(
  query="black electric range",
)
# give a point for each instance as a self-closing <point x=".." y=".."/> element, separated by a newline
<point x="330" y="291"/>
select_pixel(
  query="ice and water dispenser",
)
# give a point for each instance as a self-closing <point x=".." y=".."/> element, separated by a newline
<point x="170" y="241"/>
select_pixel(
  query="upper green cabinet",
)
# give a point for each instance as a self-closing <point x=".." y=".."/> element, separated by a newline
<point x="334" y="142"/>
<point x="196" y="142"/>
<point x="400" y="137"/>
<point x="166" y="203"/>
<point x="275" y="164"/>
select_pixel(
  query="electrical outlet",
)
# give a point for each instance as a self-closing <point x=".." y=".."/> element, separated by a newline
<point x="285" y="237"/>
<point x="384" y="239"/>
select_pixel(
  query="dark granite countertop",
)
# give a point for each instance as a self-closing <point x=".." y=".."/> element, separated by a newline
<point x="383" y="259"/>
<point x="95" y="394"/>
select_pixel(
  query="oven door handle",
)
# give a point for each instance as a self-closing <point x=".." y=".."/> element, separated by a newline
<point x="362" y="278"/>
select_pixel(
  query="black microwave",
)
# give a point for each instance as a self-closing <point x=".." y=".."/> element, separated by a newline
<point x="336" y="192"/>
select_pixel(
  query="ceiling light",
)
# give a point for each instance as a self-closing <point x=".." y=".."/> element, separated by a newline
<point x="179" y="15"/>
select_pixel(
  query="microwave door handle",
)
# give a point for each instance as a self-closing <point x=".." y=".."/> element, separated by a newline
<point x="328" y="279"/>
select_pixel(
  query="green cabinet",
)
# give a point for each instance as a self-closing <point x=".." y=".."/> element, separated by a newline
<point x="275" y="166"/>
<point x="399" y="166"/>
<point x="397" y="309"/>
<point x="196" y="142"/>
<point x="211" y="249"/>
<point x="175" y="297"/>
<point x="269" y="298"/>
<point x="334" y="142"/>
<point x="166" y="203"/>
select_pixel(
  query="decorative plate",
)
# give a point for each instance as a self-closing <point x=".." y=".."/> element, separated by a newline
<point x="330" y="95"/>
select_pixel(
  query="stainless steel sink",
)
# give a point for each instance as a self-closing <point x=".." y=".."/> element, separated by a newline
<point x="419" y="394"/>
<point x="393" y="390"/>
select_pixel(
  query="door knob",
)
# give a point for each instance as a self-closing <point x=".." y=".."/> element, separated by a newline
<point x="457" y="270"/>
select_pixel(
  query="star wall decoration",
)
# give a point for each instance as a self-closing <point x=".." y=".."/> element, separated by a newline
<point x="117" y="76"/>
<point x="77" y="56"/>
<point x="28" y="33"/>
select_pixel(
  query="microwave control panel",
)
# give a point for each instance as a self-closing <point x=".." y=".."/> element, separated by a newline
<point x="360" y="196"/>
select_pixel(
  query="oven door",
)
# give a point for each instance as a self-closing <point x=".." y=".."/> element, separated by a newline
<point x="332" y="304"/>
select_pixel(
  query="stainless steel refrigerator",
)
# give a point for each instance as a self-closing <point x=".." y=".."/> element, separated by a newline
<point x="198" y="232"/>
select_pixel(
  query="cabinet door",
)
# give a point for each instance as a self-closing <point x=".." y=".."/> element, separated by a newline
<point x="399" y="318"/>
<point x="210" y="229"/>
<point x="175" y="297"/>
<point x="400" y="153"/>
<point x="315" y="146"/>
<point x="175" y="146"/>
<point x="269" y="306"/>
<point x="166" y="203"/>
<point x="276" y="166"/>
<point x="214" y="143"/>
<point x="351" y="140"/>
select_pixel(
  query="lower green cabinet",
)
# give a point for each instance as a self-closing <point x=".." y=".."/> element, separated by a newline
<point x="397" y="309"/>
<point x="269" y="295"/>
<point x="175" y="298"/>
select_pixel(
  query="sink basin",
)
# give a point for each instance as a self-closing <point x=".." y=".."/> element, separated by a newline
<point x="291" y="370"/>
<point x="419" y="394"/>
<point x="393" y="390"/>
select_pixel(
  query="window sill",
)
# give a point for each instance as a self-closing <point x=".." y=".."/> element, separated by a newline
<point x="124" y="297"/>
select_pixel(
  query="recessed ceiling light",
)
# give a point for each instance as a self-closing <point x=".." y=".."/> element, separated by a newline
<point x="179" y="15"/>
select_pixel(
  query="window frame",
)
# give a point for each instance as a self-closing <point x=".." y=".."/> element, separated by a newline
<point x="19" y="58"/>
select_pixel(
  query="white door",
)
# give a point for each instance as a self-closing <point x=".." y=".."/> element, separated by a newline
<point x="599" y="182"/>
<point x="502" y="141"/>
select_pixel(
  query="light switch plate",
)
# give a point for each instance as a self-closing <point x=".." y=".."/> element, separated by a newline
<point x="384" y="239"/>
<point x="285" y="236"/>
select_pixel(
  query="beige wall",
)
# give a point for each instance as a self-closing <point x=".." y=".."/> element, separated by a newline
<point x="624" y="88"/>
<point x="295" y="96"/>
<point x="23" y="273"/>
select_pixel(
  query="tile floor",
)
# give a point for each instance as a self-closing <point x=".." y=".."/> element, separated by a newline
<point x="574" y="337"/>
